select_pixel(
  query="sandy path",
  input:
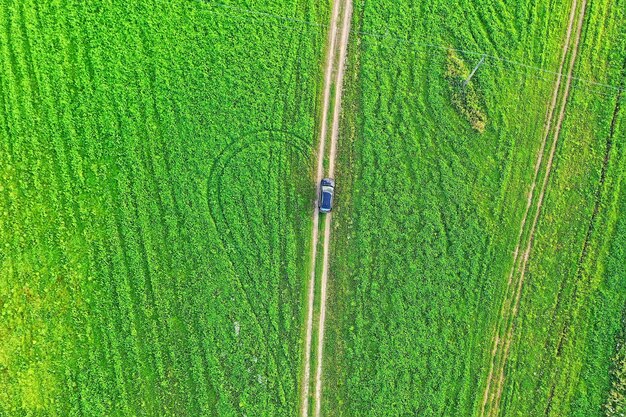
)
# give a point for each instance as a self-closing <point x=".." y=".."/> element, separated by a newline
<point x="510" y="307"/>
<point x="330" y="58"/>
<point x="343" y="49"/>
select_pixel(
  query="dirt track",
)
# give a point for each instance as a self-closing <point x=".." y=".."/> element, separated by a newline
<point x="343" y="48"/>
<point x="344" y="6"/>
<point x="510" y="306"/>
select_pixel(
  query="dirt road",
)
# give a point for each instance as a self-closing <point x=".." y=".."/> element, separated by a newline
<point x="510" y="306"/>
<point x="333" y="64"/>
<point x="343" y="48"/>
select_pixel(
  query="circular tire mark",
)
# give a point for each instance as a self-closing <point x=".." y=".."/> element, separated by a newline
<point x="244" y="263"/>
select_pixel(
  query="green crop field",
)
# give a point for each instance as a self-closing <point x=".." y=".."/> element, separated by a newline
<point x="435" y="181"/>
<point x="155" y="163"/>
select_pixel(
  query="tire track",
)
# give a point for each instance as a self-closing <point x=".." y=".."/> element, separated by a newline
<point x="510" y="306"/>
<point x="71" y="130"/>
<point x="165" y="187"/>
<point x="276" y="104"/>
<point x="264" y="325"/>
<point x="92" y="57"/>
<point x="17" y="73"/>
<point x="136" y="236"/>
<point x="290" y="104"/>
<point x="145" y="89"/>
<point x="284" y="105"/>
<point x="306" y="374"/>
<point x="61" y="160"/>
<point x="341" y="64"/>
<point x="289" y="111"/>
<point x="584" y="256"/>
<point x="229" y="238"/>
<point x="146" y="238"/>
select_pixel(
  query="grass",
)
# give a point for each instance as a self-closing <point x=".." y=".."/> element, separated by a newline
<point x="154" y="186"/>
<point x="571" y="309"/>
<point x="433" y="212"/>
<point x="155" y="192"/>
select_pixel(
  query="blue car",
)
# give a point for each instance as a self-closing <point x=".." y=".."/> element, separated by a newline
<point x="327" y="190"/>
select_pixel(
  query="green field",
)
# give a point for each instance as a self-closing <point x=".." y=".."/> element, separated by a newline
<point x="156" y="189"/>
<point x="431" y="207"/>
<point x="153" y="261"/>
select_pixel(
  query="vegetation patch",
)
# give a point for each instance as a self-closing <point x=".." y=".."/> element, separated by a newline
<point x="616" y="403"/>
<point x="464" y="94"/>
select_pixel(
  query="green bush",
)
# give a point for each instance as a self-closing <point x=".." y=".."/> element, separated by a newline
<point x="463" y="95"/>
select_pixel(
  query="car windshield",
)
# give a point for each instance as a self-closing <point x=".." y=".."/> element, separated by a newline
<point x="326" y="196"/>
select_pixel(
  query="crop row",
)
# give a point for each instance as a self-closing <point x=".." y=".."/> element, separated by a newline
<point x="434" y="208"/>
<point x="112" y="117"/>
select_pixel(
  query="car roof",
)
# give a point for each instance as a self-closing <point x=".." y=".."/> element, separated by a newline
<point x="326" y="199"/>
